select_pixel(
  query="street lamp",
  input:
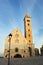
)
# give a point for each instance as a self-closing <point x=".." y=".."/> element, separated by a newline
<point x="10" y="35"/>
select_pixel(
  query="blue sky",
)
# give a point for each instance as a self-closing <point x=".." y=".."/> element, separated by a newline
<point x="12" y="13"/>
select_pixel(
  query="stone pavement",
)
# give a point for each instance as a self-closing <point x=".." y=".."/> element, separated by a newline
<point x="23" y="61"/>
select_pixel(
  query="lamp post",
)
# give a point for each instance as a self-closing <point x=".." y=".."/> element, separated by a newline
<point x="10" y="35"/>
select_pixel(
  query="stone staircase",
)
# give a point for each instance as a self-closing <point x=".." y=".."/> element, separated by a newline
<point x="23" y="61"/>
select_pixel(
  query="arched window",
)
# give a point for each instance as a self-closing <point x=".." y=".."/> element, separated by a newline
<point x="30" y="51"/>
<point x="16" y="49"/>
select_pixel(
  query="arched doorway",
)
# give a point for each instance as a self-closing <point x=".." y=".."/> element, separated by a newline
<point x="30" y="51"/>
<point x="17" y="56"/>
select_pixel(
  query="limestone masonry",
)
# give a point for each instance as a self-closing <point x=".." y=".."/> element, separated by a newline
<point x="20" y="46"/>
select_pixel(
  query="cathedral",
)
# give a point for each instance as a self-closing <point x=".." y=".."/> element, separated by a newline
<point x="18" y="45"/>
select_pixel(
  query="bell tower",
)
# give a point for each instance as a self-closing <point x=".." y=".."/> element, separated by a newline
<point x="28" y="33"/>
<point x="28" y="28"/>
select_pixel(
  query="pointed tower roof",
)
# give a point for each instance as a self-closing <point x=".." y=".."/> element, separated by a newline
<point x="27" y="16"/>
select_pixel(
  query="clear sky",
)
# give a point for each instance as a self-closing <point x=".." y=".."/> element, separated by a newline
<point x="12" y="13"/>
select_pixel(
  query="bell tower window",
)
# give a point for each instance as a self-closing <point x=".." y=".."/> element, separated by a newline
<point x="28" y="20"/>
<point x="28" y="24"/>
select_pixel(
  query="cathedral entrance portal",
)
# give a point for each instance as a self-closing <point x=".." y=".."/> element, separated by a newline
<point x="17" y="56"/>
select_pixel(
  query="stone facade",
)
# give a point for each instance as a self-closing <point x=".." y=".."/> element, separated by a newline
<point x="20" y="46"/>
